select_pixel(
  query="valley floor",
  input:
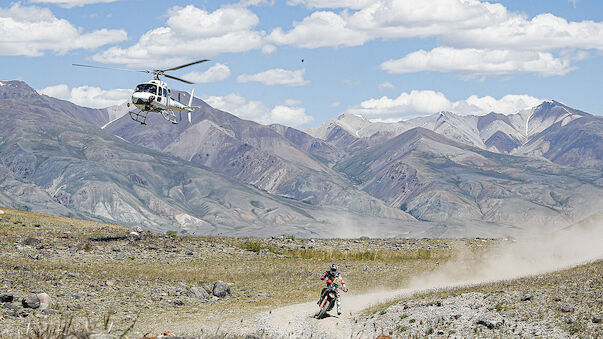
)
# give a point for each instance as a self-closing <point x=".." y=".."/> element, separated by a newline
<point x="104" y="277"/>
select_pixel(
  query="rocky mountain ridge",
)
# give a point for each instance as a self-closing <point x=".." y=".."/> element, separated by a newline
<point x="523" y="133"/>
<point x="227" y="175"/>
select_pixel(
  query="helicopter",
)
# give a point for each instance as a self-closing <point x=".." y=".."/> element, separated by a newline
<point x="155" y="96"/>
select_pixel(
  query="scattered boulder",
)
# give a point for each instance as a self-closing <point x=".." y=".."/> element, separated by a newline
<point x="221" y="289"/>
<point x="134" y="236"/>
<point x="252" y="336"/>
<point x="138" y="229"/>
<point x="527" y="297"/>
<point x="598" y="319"/>
<point x="566" y="308"/>
<point x="491" y="321"/>
<point x="31" y="302"/>
<point x="45" y="301"/>
<point x="197" y="292"/>
<point x="207" y="287"/>
<point x="31" y="241"/>
<point x="570" y="320"/>
<point x="7" y="298"/>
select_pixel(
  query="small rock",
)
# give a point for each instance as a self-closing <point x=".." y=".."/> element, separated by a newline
<point x="566" y="308"/>
<point x="31" y="241"/>
<point x="570" y="320"/>
<point x="527" y="297"/>
<point x="6" y="298"/>
<point x="490" y="321"/>
<point x="11" y="306"/>
<point x="73" y="275"/>
<point x="598" y="319"/>
<point x="207" y="287"/>
<point x="109" y="282"/>
<point x="221" y="289"/>
<point x="45" y="301"/>
<point x="197" y="292"/>
<point x="134" y="236"/>
<point x="138" y="229"/>
<point x="31" y="302"/>
<point x="49" y="311"/>
<point x="252" y="336"/>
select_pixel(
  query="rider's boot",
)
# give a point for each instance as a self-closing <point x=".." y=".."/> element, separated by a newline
<point x="338" y="306"/>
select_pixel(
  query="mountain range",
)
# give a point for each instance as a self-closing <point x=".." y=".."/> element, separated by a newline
<point x="440" y="175"/>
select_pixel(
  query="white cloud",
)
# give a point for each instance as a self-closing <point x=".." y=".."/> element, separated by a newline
<point x="72" y="3"/>
<point x="353" y="4"/>
<point x="88" y="96"/>
<point x="543" y="32"/>
<point x="30" y="31"/>
<point x="479" y="62"/>
<point x="463" y="25"/>
<point x="386" y="85"/>
<point x="190" y="32"/>
<point x="290" y="113"/>
<point x="276" y="76"/>
<point x="321" y="29"/>
<point x="217" y="72"/>
<point x="418" y="103"/>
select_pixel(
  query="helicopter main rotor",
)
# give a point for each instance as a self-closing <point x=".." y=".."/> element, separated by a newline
<point x="156" y="72"/>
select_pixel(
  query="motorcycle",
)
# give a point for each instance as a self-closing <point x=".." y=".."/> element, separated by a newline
<point x="328" y="297"/>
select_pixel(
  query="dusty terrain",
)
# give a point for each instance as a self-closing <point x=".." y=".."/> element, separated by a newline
<point x="112" y="280"/>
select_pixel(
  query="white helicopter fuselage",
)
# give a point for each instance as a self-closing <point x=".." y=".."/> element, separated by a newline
<point x="154" y="96"/>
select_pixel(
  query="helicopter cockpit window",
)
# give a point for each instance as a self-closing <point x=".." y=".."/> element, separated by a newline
<point x="150" y="88"/>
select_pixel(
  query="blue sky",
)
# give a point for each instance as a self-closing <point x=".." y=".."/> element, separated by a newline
<point x="384" y="59"/>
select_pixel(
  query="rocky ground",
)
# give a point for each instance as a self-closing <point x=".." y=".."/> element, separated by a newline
<point x="56" y="270"/>
<point x="563" y="304"/>
<point x="65" y="275"/>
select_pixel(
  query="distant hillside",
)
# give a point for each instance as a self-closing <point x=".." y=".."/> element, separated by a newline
<point x="435" y="178"/>
<point x="51" y="162"/>
<point x="442" y="175"/>
<point x="289" y="164"/>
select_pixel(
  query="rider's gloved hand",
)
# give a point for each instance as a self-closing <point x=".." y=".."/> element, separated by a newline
<point x="322" y="278"/>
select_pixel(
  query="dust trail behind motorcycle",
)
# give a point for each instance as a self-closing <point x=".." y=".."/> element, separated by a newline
<point x="535" y="253"/>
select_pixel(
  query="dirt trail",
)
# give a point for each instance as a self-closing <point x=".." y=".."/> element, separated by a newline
<point x="297" y="321"/>
<point x="531" y="256"/>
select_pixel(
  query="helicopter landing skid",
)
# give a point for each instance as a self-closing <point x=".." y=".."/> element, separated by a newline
<point x="139" y="116"/>
<point x="171" y="116"/>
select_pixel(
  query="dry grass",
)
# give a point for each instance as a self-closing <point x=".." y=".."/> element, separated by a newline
<point x="147" y="272"/>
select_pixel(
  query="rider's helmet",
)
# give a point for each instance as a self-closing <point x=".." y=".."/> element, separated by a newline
<point x="334" y="268"/>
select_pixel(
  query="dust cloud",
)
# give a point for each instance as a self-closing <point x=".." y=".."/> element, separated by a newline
<point x="534" y="253"/>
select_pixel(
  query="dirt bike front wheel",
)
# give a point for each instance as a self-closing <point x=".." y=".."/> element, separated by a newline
<point x="323" y="311"/>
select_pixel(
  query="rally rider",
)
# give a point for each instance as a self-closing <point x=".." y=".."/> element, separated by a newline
<point x="330" y="275"/>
